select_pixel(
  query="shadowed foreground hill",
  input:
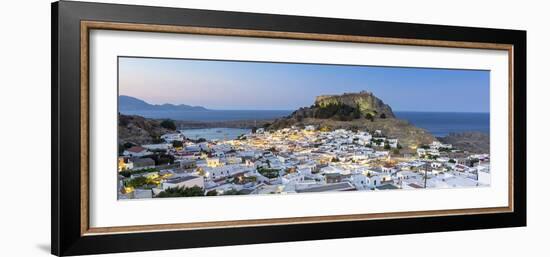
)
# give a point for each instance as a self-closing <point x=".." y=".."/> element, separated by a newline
<point x="473" y="142"/>
<point x="138" y="130"/>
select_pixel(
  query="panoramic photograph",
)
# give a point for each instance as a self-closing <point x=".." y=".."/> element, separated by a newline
<point x="211" y="128"/>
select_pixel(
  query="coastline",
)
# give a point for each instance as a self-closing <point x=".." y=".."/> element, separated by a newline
<point x="434" y="126"/>
<point x="244" y="124"/>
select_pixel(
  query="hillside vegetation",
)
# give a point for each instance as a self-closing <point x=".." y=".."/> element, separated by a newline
<point x="138" y="130"/>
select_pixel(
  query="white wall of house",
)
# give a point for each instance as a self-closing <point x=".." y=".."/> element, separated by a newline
<point x="143" y="193"/>
<point x="197" y="181"/>
<point x="226" y="170"/>
<point x="373" y="181"/>
<point x="134" y="154"/>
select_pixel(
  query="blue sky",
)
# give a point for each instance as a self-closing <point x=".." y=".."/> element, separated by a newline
<point x="233" y="85"/>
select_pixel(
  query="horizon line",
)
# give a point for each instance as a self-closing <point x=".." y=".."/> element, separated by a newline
<point x="294" y="109"/>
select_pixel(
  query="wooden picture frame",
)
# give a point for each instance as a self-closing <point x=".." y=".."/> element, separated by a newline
<point x="71" y="25"/>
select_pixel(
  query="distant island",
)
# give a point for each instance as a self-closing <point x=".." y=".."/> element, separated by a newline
<point x="132" y="104"/>
<point x="181" y="112"/>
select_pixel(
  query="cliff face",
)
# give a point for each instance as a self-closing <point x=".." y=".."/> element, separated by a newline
<point x="364" y="102"/>
<point x="346" y="107"/>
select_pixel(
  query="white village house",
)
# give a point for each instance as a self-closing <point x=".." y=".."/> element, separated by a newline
<point x="136" y="151"/>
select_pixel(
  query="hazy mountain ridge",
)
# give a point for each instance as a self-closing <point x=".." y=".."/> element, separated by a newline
<point x="128" y="103"/>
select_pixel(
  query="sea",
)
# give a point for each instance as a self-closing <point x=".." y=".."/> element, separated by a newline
<point x="438" y="124"/>
<point x="212" y="115"/>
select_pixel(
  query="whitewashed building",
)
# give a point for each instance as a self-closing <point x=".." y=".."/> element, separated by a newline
<point x="172" y="137"/>
<point x="187" y="181"/>
<point x="136" y="151"/>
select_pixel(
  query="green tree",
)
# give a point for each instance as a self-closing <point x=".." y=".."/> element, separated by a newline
<point x="156" y="139"/>
<point x="161" y="158"/>
<point x="232" y="192"/>
<point x="181" y="192"/>
<point x="369" y="116"/>
<point x="212" y="193"/>
<point x="177" y="143"/>
<point x="136" y="182"/>
<point x="128" y="173"/>
<point x="127" y="145"/>
<point x="268" y="173"/>
<point x="168" y="124"/>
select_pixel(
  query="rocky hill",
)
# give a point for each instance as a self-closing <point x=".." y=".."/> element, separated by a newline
<point x="473" y="142"/>
<point x="346" y="107"/>
<point x="363" y="104"/>
<point x="361" y="110"/>
<point x="138" y="130"/>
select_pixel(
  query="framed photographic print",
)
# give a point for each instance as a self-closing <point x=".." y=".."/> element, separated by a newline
<point x="178" y="128"/>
